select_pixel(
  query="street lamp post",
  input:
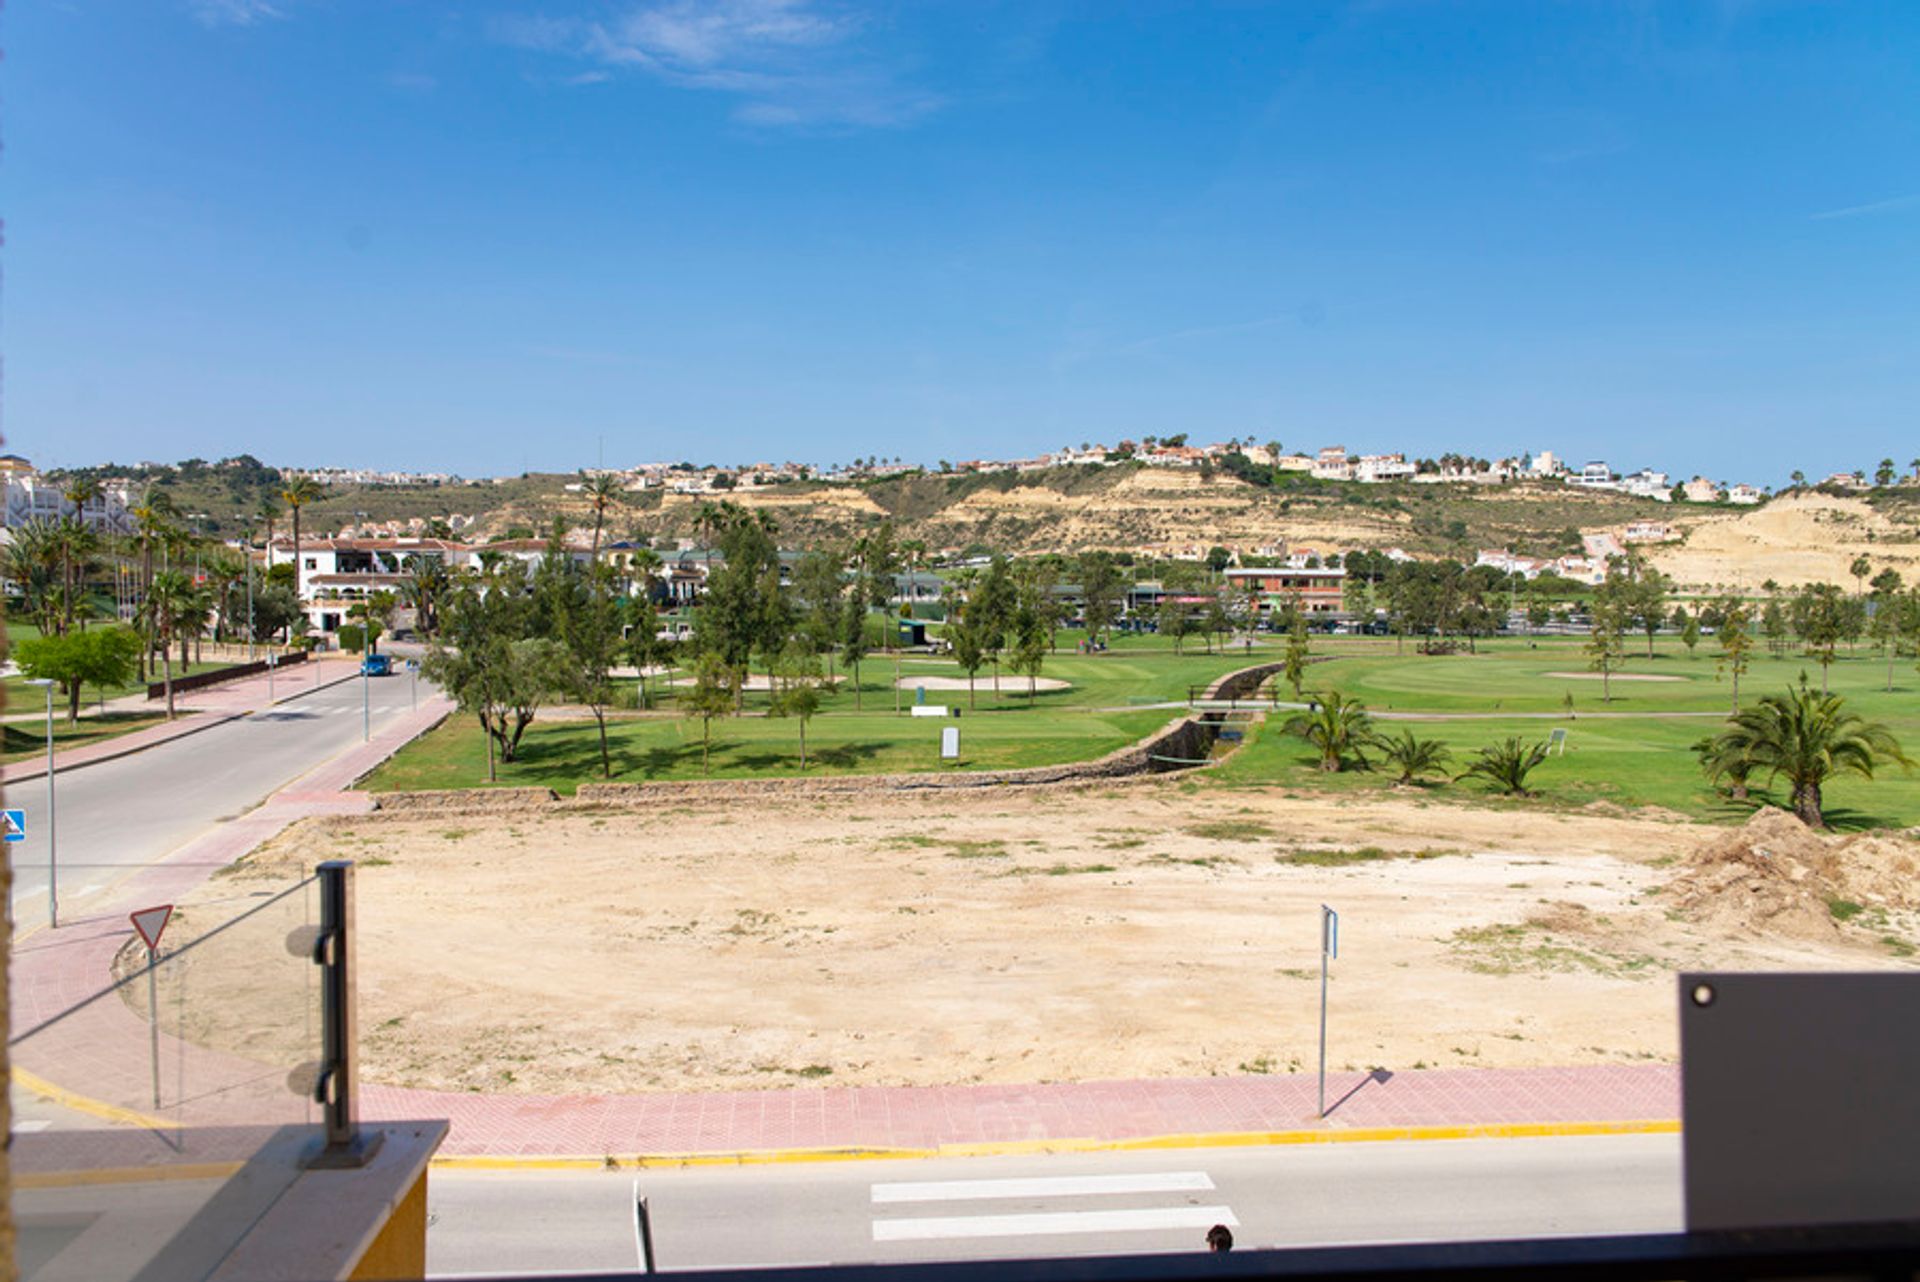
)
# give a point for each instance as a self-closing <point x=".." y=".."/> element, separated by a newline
<point x="246" y="552"/>
<point x="366" y="704"/>
<point x="53" y="843"/>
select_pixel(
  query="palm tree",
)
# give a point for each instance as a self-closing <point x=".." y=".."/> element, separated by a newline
<point x="1412" y="755"/>
<point x="268" y="514"/>
<point x="296" y="494"/>
<point x="152" y="521"/>
<point x="33" y="560"/>
<point x="1507" y="765"/>
<point x="80" y="540"/>
<point x="1337" y="726"/>
<point x="1806" y="737"/>
<point x="168" y="611"/>
<point x="423" y="590"/>
<point x="603" y="490"/>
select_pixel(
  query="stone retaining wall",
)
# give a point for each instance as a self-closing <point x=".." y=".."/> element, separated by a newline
<point x="466" y="800"/>
<point x="1245" y="683"/>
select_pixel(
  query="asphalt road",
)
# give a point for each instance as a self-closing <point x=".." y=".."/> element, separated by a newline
<point x="117" y="815"/>
<point x="1080" y="1204"/>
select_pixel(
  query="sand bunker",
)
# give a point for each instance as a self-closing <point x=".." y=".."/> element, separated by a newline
<point x="1618" y="676"/>
<point x="754" y="681"/>
<point x="960" y="683"/>
<point x="1776" y="876"/>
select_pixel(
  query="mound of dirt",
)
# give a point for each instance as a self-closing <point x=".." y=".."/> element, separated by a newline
<point x="1775" y="876"/>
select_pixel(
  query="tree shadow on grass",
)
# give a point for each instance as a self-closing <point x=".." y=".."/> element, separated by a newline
<point x="1846" y="819"/>
<point x="847" y="755"/>
<point x="655" y="762"/>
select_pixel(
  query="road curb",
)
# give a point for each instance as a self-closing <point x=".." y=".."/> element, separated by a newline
<point x="1024" y="1148"/>
<point x="203" y="721"/>
<point x="30" y="1081"/>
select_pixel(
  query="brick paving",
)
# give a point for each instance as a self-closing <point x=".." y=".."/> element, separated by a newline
<point x="100" y="1052"/>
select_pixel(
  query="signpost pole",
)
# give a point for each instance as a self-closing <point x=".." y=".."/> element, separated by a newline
<point x="148" y="923"/>
<point x="153" y="1019"/>
<point x="1329" y="948"/>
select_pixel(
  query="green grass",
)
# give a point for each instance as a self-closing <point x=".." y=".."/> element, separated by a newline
<point x="563" y="754"/>
<point x="1232" y="830"/>
<point x="27" y="740"/>
<point x="857" y="732"/>
<point x="1628" y="756"/>
<point x="1630" y="760"/>
<point x="1335" y="858"/>
<point x="21" y="697"/>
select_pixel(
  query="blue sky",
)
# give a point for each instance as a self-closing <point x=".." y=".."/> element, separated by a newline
<point x="484" y="238"/>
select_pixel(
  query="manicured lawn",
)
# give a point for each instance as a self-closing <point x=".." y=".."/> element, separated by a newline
<point x="563" y="754"/>
<point x="21" y="697"/>
<point x="1138" y="670"/>
<point x="27" y="740"/>
<point x="1626" y="757"/>
<point x="1629" y="760"/>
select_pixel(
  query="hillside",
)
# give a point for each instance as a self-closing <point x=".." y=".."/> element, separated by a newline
<point x="1138" y="509"/>
<point x="1795" y="539"/>
<point x="1800" y="538"/>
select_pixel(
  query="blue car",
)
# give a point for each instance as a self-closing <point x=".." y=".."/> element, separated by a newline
<point x="377" y="665"/>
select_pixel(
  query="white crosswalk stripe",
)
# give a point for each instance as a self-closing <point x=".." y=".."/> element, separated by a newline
<point x="1042" y="1186"/>
<point x="1039" y="1223"/>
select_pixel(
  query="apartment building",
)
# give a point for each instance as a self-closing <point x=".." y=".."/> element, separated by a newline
<point x="334" y="575"/>
<point x="32" y="497"/>
<point x="1318" y="591"/>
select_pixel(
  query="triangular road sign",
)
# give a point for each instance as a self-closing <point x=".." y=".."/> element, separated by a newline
<point x="150" y="922"/>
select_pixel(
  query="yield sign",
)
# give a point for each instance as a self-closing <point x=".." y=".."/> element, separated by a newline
<point x="150" y="922"/>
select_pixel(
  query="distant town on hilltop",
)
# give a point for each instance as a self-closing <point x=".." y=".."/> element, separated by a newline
<point x="1250" y="460"/>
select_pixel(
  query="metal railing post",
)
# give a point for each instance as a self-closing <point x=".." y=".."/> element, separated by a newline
<point x="338" y="1083"/>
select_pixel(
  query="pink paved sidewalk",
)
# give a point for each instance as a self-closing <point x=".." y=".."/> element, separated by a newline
<point x="920" y="1118"/>
<point x="199" y="710"/>
<point x="100" y="1052"/>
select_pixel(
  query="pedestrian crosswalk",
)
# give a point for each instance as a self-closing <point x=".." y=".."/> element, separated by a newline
<point x="1041" y="1193"/>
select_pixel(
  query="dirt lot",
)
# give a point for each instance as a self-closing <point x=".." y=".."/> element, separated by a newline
<point x="1148" y="929"/>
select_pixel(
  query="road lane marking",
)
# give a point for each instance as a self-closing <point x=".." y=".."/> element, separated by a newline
<point x="1050" y="1223"/>
<point x="1406" y="1133"/>
<point x="1041" y="1186"/>
<point x="28" y="1128"/>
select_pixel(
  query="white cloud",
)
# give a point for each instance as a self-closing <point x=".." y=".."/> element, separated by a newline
<point x="792" y="63"/>
<point x="232" y="13"/>
<point x="1877" y="207"/>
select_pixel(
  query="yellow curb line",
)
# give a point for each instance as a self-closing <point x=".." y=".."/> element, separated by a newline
<point x="1012" y="1148"/>
<point x="82" y="1104"/>
<point x="125" y="1175"/>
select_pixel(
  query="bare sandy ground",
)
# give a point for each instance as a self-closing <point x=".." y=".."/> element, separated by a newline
<point x="1150" y="929"/>
<point x="1803" y="538"/>
<point x="960" y="683"/>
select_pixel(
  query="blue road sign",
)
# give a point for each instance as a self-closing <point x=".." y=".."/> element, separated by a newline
<point x="14" y="823"/>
